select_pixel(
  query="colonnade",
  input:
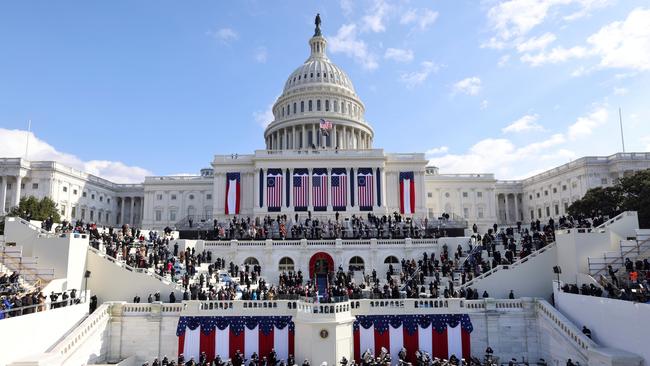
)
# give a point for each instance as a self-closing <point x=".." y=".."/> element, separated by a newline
<point x="307" y="135"/>
<point x="134" y="217"/>
<point x="509" y="207"/>
<point x="16" y="182"/>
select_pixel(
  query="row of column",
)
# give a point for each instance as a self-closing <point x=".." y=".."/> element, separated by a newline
<point x="508" y="211"/>
<point x="122" y="201"/>
<point x="16" y="182"/>
<point x="297" y="137"/>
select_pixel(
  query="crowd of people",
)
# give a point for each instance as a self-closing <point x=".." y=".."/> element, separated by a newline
<point x="393" y="226"/>
<point x="368" y="358"/>
<point x="16" y="299"/>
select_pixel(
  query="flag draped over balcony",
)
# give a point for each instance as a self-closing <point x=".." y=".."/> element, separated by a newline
<point x="232" y="193"/>
<point x="406" y="193"/>
<point x="440" y="335"/>
<point x="225" y="335"/>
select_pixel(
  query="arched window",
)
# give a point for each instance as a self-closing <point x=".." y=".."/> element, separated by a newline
<point x="302" y="106"/>
<point x="318" y="105"/>
<point x="288" y="109"/>
<point x="327" y="105"/>
<point x="391" y="259"/>
<point x="251" y="261"/>
<point x="191" y="211"/>
<point x="282" y="111"/>
<point x="356" y="263"/>
<point x="286" y="265"/>
<point x="310" y="106"/>
<point x="336" y="106"/>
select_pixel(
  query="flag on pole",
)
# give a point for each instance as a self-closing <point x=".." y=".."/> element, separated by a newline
<point x="300" y="189"/>
<point x="406" y="193"/>
<point x="225" y="335"/>
<point x="232" y="193"/>
<point x="441" y="335"/>
<point x="274" y="190"/>
<point x="364" y="189"/>
<point x="326" y="125"/>
<point x="339" y="189"/>
<point x="319" y="189"/>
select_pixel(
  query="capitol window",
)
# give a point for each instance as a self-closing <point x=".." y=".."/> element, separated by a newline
<point x="356" y="263"/>
<point x="34" y="185"/>
<point x="158" y="215"/>
<point x="327" y="105"/>
<point x="480" y="212"/>
<point x="173" y="197"/>
<point x="464" y="194"/>
<point x="447" y="194"/>
<point x="310" y="106"/>
<point x="74" y="191"/>
<point x="391" y="259"/>
<point x="208" y="196"/>
<point x="251" y="261"/>
<point x="65" y="189"/>
<point x="191" y="196"/>
<point x="302" y="106"/>
<point x="479" y="194"/>
<point x="564" y="187"/>
<point x="429" y="194"/>
<point x="159" y="197"/>
<point x="554" y="190"/>
<point x="172" y="215"/>
<point x="336" y="106"/>
<point x="286" y="264"/>
<point x="318" y="105"/>
<point x="294" y="108"/>
<point x="83" y="194"/>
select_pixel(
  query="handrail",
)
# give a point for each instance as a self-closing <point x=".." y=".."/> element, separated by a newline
<point x="508" y="266"/>
<point x="614" y="219"/>
<point x="21" y="268"/>
<point x="45" y="306"/>
<point x="637" y="247"/>
<point x="565" y="326"/>
<point x="134" y="269"/>
<point x="72" y="341"/>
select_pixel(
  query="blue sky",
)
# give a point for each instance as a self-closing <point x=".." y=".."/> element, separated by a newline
<point x="125" y="89"/>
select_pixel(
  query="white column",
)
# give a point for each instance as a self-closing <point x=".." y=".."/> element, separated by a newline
<point x="3" y="194"/>
<point x="516" y="208"/>
<point x="17" y="191"/>
<point x="334" y="141"/>
<point x="303" y="136"/>
<point x="132" y="210"/>
<point x="462" y="206"/>
<point x="507" y="213"/>
<point x="264" y="206"/>
<point x="122" y="211"/>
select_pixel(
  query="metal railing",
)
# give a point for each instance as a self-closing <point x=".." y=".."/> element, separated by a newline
<point x="145" y="271"/>
<point x="641" y="248"/>
<point x="34" y="277"/>
<point x="37" y="308"/>
<point x="517" y="263"/>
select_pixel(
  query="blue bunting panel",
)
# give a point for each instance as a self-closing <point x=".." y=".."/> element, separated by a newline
<point x="411" y="322"/>
<point x="236" y="323"/>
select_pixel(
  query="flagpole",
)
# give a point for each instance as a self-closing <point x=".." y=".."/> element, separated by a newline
<point x="29" y="131"/>
<point x="620" y="120"/>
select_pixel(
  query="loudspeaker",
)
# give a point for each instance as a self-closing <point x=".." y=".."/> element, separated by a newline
<point x="87" y="274"/>
<point x="557" y="269"/>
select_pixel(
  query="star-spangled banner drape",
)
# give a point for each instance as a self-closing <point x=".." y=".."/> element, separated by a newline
<point x="440" y="335"/>
<point x="225" y="335"/>
<point x="406" y="193"/>
<point x="233" y="189"/>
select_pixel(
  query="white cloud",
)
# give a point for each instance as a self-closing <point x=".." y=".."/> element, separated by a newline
<point x="261" y="55"/>
<point x="536" y="43"/>
<point x="224" y="35"/>
<point x="585" y="125"/>
<point x="469" y="86"/>
<point x="556" y="55"/>
<point x="420" y="17"/>
<point x="399" y="54"/>
<point x="12" y="144"/>
<point x="263" y="118"/>
<point x="484" y="104"/>
<point x="412" y="79"/>
<point x="620" y="91"/>
<point x="525" y="123"/>
<point x="436" y="151"/>
<point x="347" y="7"/>
<point x="512" y="20"/>
<point x="345" y="41"/>
<point x="375" y="19"/>
<point x="503" y="60"/>
<point x="624" y="44"/>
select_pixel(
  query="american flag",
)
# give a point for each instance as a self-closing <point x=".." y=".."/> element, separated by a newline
<point x="339" y="190"/>
<point x="364" y="184"/>
<point x="326" y="125"/>
<point x="274" y="190"/>
<point x="301" y="190"/>
<point x="319" y="190"/>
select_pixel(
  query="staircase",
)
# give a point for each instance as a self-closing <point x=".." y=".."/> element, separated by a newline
<point x="12" y="260"/>
<point x="634" y="250"/>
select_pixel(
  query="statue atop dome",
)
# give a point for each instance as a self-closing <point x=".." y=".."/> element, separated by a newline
<point x="317" y="22"/>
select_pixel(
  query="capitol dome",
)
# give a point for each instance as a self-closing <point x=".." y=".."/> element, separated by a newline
<point x="318" y="91"/>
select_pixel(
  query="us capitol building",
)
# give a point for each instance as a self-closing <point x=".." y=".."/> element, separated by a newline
<point x="344" y="172"/>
